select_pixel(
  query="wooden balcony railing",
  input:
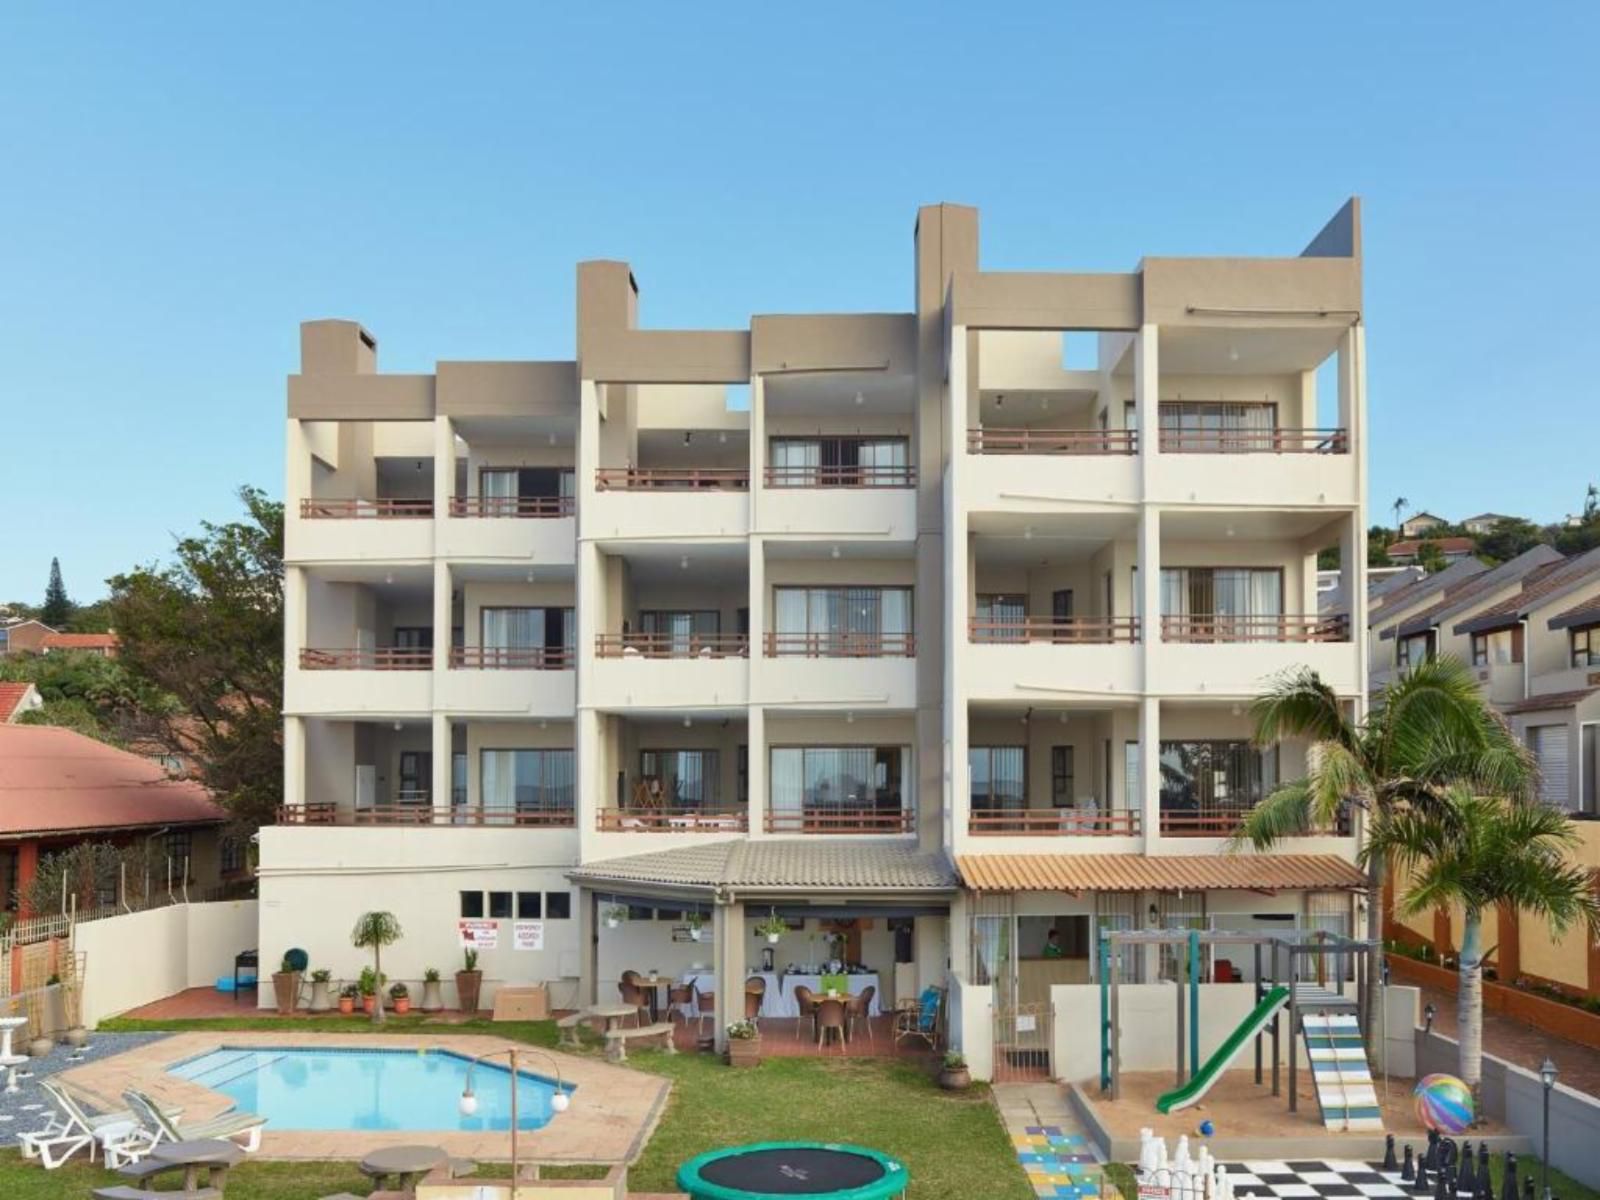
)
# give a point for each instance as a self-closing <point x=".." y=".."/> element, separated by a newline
<point x="672" y="820"/>
<point x="378" y="659"/>
<point x="513" y="658"/>
<point x="874" y="476"/>
<point x="1052" y="822"/>
<point x="320" y="813"/>
<point x="1287" y="627"/>
<point x="672" y="479"/>
<point x="1255" y="441"/>
<point x="324" y="813"/>
<point x="671" y="645"/>
<point x="1224" y="821"/>
<point x="350" y="509"/>
<point x="1023" y="440"/>
<point x="513" y="506"/>
<point x="840" y="820"/>
<point x="841" y="645"/>
<point x="1095" y="631"/>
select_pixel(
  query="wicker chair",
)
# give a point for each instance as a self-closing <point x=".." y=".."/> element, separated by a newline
<point x="807" y="1003"/>
<point x="831" y="1018"/>
<point x="859" y="1008"/>
<point x="705" y="1007"/>
<point x="633" y="994"/>
<point x="680" y="1001"/>
<point x="755" y="992"/>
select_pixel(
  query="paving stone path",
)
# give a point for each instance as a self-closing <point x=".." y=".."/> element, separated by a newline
<point x="1049" y="1141"/>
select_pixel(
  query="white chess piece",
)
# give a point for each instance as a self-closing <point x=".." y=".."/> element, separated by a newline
<point x="1161" y="1152"/>
<point x="1147" y="1151"/>
<point x="1181" y="1159"/>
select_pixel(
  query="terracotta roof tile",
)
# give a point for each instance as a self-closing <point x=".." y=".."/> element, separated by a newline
<point x="1540" y="585"/>
<point x="1549" y="700"/>
<point x="80" y="641"/>
<point x="1137" y="872"/>
<point x="790" y="864"/>
<point x="11" y="698"/>
<point x="1447" y="545"/>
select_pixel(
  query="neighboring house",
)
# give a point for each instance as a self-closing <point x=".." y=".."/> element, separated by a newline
<point x="1451" y="549"/>
<point x="1484" y="523"/>
<point x="24" y="637"/>
<point x="59" y="788"/>
<point x="935" y="647"/>
<point x="103" y="644"/>
<point x="16" y="699"/>
<point x="1420" y="523"/>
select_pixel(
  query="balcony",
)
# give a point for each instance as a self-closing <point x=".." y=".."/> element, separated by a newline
<point x="1224" y="820"/>
<point x="1255" y="441"/>
<point x="369" y="659"/>
<point x="667" y="670"/>
<point x="1011" y="658"/>
<point x="673" y="820"/>
<point x="662" y="502"/>
<point x="1083" y="631"/>
<point x="337" y="529"/>
<point x="672" y="645"/>
<point x="1015" y="468"/>
<point x="1023" y="439"/>
<point x="537" y="681"/>
<point x="325" y="813"/>
<point x="872" y="669"/>
<point x="1235" y="655"/>
<point x="841" y="645"/>
<point x="1277" y="628"/>
<point x="671" y="479"/>
<point x="831" y="819"/>
<point x="1052" y="822"/>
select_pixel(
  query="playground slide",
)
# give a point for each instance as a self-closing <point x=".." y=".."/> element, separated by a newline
<point x="1196" y="1088"/>
<point x="1339" y="1069"/>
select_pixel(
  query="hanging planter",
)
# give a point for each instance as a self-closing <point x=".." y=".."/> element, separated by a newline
<point x="696" y="923"/>
<point x="773" y="928"/>
<point x="615" y="915"/>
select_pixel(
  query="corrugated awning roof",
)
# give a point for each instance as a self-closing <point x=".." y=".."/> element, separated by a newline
<point x="1166" y="873"/>
<point x="1550" y="700"/>
<point x="781" y="864"/>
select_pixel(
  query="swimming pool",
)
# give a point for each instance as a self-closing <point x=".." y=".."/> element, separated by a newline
<point x="369" y="1089"/>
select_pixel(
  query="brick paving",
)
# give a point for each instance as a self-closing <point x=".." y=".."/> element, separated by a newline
<point x="1507" y="1038"/>
<point x="1051" y="1146"/>
<point x="787" y="1037"/>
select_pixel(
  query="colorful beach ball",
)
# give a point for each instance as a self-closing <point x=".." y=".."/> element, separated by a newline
<point x="1443" y="1102"/>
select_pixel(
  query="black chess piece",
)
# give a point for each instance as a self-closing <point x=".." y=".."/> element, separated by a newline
<point x="1423" y="1183"/>
<point x="1485" y="1186"/>
<point x="1431" y="1155"/>
<point x="1408" y="1171"/>
<point x="1449" y="1152"/>
<point x="1508" y="1177"/>
<point x="1444" y="1187"/>
<point x="1527" y="1188"/>
<point x="1467" y="1180"/>
<point x="1389" y="1163"/>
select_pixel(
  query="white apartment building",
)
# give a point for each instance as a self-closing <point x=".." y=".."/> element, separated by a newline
<point x="927" y="632"/>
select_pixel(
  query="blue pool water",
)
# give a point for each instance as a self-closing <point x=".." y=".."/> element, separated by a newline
<point x="369" y="1089"/>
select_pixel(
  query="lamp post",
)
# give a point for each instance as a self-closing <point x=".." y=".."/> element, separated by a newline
<point x="558" y="1102"/>
<point x="1547" y="1076"/>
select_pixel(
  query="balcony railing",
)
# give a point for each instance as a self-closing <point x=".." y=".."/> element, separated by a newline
<point x="513" y="658"/>
<point x="325" y="813"/>
<point x="1286" y="627"/>
<point x="350" y="509"/>
<point x="841" y="645"/>
<point x="1255" y="441"/>
<point x="840" y="820"/>
<point x="873" y="476"/>
<point x="1052" y="822"/>
<point x="1098" y="631"/>
<point x="1224" y="821"/>
<point x="513" y="506"/>
<point x="672" y="820"/>
<point x="1025" y="440"/>
<point x="369" y="659"/>
<point x="672" y="479"/>
<point x="671" y="645"/>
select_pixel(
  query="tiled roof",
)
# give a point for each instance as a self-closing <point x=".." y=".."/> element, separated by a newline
<point x="812" y="863"/>
<point x="1549" y="701"/>
<point x="11" y="697"/>
<point x="1584" y="612"/>
<point x="1454" y="575"/>
<point x="1506" y="574"/>
<point x="1447" y="545"/>
<point x="1140" y="873"/>
<point x="57" y="780"/>
<point x="1540" y="585"/>
<point x="79" y="641"/>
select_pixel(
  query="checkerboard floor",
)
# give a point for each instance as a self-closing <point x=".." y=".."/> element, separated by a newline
<point x="1306" y="1179"/>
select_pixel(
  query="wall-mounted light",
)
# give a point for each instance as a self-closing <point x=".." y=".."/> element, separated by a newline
<point x="1000" y="400"/>
<point x="687" y="437"/>
<point x="398" y="726"/>
<point x="860" y="399"/>
<point x="388" y="577"/>
<point x="722" y="438"/>
<point x="849" y="718"/>
<point x="1027" y="533"/>
<point x="683" y="563"/>
<point x="688" y="722"/>
<point x="834" y="553"/>
<point x="552" y="438"/>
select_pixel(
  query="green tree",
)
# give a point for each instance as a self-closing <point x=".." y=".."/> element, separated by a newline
<point x="1400" y="505"/>
<point x="1379" y="539"/>
<point x="92" y="694"/>
<point x="1508" y="538"/>
<point x="1430" y="557"/>
<point x="57" y="608"/>
<point x="208" y="630"/>
<point x="1426" y="732"/>
<point x="374" y="931"/>
<point x="1482" y="852"/>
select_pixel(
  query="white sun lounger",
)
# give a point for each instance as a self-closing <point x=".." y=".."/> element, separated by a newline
<point x="71" y="1129"/>
<point x="243" y="1128"/>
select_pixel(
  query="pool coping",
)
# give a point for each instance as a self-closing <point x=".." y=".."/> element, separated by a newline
<point x="613" y="1114"/>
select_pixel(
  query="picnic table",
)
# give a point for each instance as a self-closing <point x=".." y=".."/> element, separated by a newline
<point x="215" y="1156"/>
<point x="407" y="1164"/>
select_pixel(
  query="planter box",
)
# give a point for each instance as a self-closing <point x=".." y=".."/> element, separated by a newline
<point x="1551" y="1016"/>
<point x="744" y="1052"/>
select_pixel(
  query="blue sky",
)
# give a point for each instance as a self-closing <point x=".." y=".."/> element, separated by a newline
<point x="181" y="185"/>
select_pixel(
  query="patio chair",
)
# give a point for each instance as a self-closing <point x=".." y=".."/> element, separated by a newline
<point x="633" y="994"/>
<point x="705" y="1007"/>
<point x="921" y="1021"/>
<point x="806" y="1001"/>
<point x="70" y="1129"/>
<point x="680" y="1002"/>
<point x="859" y="1008"/>
<point x="755" y="991"/>
<point x="831" y="1019"/>
<point x="163" y="1128"/>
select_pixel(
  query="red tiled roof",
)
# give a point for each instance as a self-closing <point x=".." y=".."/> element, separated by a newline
<point x="1447" y="545"/>
<point x="1581" y="613"/>
<point x="1544" y="582"/>
<point x="80" y="641"/>
<point x="55" y="780"/>
<point x="1139" y="873"/>
<point x="11" y="695"/>
<point x="1549" y="700"/>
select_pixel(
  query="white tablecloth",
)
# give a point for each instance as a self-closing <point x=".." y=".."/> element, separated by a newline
<point x="780" y="1001"/>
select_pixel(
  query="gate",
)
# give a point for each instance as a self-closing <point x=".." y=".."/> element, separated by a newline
<point x="1023" y="1037"/>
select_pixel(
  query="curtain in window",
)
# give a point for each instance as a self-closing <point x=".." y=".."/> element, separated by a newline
<point x="512" y="628"/>
<point x="1132" y="800"/>
<point x="559" y="779"/>
<point x="790" y="612"/>
<point x="495" y="780"/>
<point x="788" y="781"/>
<point x="498" y="484"/>
<point x="796" y="459"/>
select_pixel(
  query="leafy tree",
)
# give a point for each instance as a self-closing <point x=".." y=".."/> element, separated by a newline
<point x="1427" y="732"/>
<point x="1508" y="538"/>
<point x="91" y="618"/>
<point x="1430" y="557"/>
<point x="374" y="931"/>
<point x="1482" y="852"/>
<point x="1379" y="540"/>
<point x="1578" y="539"/>
<point x="57" y="608"/>
<point x="94" y="695"/>
<point x="1400" y="505"/>
<point x="208" y="630"/>
<point x="93" y="874"/>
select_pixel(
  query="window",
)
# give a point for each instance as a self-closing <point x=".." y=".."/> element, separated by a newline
<point x="840" y="461"/>
<point x="1586" y="646"/>
<point x="999" y="777"/>
<point x="1061" y="777"/>
<point x="8" y="878"/>
<point x="178" y="846"/>
<point x="536" y="632"/>
<point x="413" y="637"/>
<point x="1415" y="649"/>
<point x="471" y="906"/>
<point x="741" y="786"/>
<point x="688" y="778"/>
<point x="525" y="781"/>
<point x="679" y="631"/>
<point x="1201" y="777"/>
<point x="557" y="906"/>
<point x="1221" y="603"/>
<point x="530" y="906"/>
<point x="1215" y="426"/>
<point x="506" y="485"/>
<point x="844" y="777"/>
<point x="838" y="621"/>
<point x="1000" y="617"/>
<point x="499" y="906"/>
<point x="232" y="855"/>
<point x="641" y="912"/>
<point x="1497" y="648"/>
<point x="1132" y="797"/>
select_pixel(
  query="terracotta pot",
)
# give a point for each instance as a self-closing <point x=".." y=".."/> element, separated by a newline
<point x="469" y="984"/>
<point x="368" y="1003"/>
<point x="744" y="1052"/>
<point x="400" y="1005"/>
<point x="955" y="1079"/>
<point x="432" y="996"/>
<point x="347" y="1004"/>
<point x="286" y="991"/>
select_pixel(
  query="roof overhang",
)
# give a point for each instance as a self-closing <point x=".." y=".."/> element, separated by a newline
<point x="1577" y="618"/>
<point x="1143" y="873"/>
<point x="1490" y="622"/>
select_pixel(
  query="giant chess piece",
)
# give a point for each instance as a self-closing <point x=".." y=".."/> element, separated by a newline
<point x="1467" y="1180"/>
<point x="1443" y="1185"/>
<point x="1423" y="1183"/>
<point x="1389" y="1163"/>
<point x="1527" y="1188"/>
<point x="1149" y="1157"/>
<point x="1431" y="1155"/>
<point x="1449" y="1152"/>
<point x="1408" y="1172"/>
<point x="1449" y="1177"/>
<point x="1508" y="1177"/>
<point x="1485" y="1185"/>
<point x="1180" y="1159"/>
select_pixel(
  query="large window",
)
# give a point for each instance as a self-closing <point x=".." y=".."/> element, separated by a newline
<point x="822" y="778"/>
<point x="1221" y="603"/>
<point x="530" y="634"/>
<point x="1062" y="780"/>
<point x="1413" y="650"/>
<point x="1221" y="777"/>
<point x="841" y="621"/>
<point x="1586" y="646"/>
<point x="1000" y="617"/>
<point x="525" y="781"/>
<point x="679" y="631"/>
<point x="999" y="777"/>
<point x="526" y="490"/>
<point x="840" y="462"/>
<point x="1498" y="648"/>
<point x="1216" y="426"/>
<point x="681" y="778"/>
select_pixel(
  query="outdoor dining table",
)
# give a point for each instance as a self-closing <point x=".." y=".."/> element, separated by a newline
<point x="215" y="1156"/>
<point x="406" y="1163"/>
<point x="611" y="1014"/>
<point x="652" y="985"/>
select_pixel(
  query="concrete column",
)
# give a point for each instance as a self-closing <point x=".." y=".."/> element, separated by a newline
<point x="444" y="473"/>
<point x="588" y="946"/>
<point x="930" y="946"/>
<point x="590" y="784"/>
<point x="1147" y="401"/>
<point x="958" y="586"/>
<point x="1150" y="772"/>
<point x="1147" y="600"/>
<point x="756" y="768"/>
<point x="297" y="469"/>
<point x="442" y="745"/>
<point x="728" y="937"/>
<point x="294" y="762"/>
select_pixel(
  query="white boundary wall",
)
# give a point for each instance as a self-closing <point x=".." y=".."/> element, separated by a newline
<point x="135" y="958"/>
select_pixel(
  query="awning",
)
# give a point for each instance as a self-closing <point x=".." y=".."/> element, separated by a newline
<point x="1166" y="873"/>
<point x="806" y="867"/>
<point x="1548" y="701"/>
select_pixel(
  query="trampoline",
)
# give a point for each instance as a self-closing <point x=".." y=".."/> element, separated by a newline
<point x="816" y="1169"/>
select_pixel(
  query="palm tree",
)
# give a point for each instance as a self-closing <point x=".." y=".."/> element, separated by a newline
<point x="374" y="931"/>
<point x="1400" y="502"/>
<point x="1481" y="852"/>
<point x="1426" y="732"/>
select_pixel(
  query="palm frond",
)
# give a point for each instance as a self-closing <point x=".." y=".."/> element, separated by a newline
<point x="1287" y="812"/>
<point x="1298" y="704"/>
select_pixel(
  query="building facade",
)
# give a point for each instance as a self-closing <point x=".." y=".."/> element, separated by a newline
<point x="924" y="633"/>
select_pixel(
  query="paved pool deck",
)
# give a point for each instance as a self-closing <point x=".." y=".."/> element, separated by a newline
<point x="614" y="1110"/>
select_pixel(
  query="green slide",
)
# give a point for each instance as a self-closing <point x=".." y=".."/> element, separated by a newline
<point x="1191" y="1092"/>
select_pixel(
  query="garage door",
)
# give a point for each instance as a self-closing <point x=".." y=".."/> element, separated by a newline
<point x="1550" y="748"/>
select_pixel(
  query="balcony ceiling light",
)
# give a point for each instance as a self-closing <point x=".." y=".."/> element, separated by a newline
<point x="687" y="722"/>
<point x="683" y="563"/>
<point x="1000" y="400"/>
<point x="552" y="437"/>
<point x="398" y="726"/>
<point x="687" y="437"/>
<point x="388" y="577"/>
<point x="1233" y="354"/>
<point x="834" y="553"/>
<point x="860" y="399"/>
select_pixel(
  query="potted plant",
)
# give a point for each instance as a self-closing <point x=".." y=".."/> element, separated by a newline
<point x="953" y="1073"/>
<point x="348" y="995"/>
<point x="744" y="1044"/>
<point x="401" y="996"/>
<point x="696" y="923"/>
<point x="368" y="984"/>
<point x="772" y="928"/>
<point x="373" y="931"/>
<point x="432" y="993"/>
<point x="615" y="915"/>
<point x="321" y="986"/>
<point x="469" y="982"/>
<point x="286" y="987"/>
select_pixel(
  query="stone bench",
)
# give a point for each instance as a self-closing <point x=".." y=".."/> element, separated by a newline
<point x="568" y="1028"/>
<point x="617" y="1039"/>
<point x="123" y="1192"/>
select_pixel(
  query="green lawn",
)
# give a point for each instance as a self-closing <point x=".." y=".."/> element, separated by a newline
<point x="954" y="1144"/>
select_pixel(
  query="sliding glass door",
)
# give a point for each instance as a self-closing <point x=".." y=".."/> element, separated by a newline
<point x="530" y="637"/>
<point x="841" y="621"/>
<point x="525" y="785"/>
<point x="1204" y="604"/>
